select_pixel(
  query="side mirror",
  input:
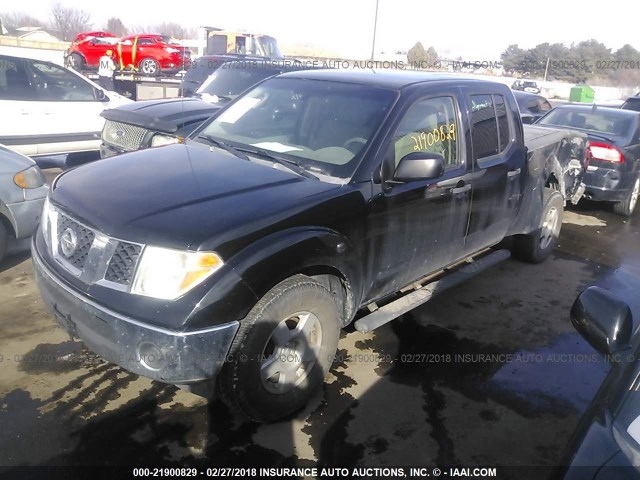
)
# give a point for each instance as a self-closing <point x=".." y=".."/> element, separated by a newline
<point x="99" y="94"/>
<point x="603" y="319"/>
<point x="419" y="166"/>
<point x="528" y="119"/>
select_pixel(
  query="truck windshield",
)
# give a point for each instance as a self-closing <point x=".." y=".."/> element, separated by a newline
<point x="323" y="126"/>
<point x="233" y="78"/>
<point x="269" y="46"/>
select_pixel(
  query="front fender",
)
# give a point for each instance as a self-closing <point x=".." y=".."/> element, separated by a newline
<point x="310" y="250"/>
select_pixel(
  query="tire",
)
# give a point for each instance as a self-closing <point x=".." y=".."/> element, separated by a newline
<point x="149" y="66"/>
<point x="76" y="62"/>
<point x="254" y="381"/>
<point x="538" y="245"/>
<point x="4" y="237"/>
<point x="628" y="205"/>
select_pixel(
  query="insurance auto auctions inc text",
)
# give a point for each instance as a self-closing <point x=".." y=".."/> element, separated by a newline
<point x="377" y="472"/>
<point x="370" y="64"/>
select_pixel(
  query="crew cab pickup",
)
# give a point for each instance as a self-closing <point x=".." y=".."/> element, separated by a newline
<point x="229" y="264"/>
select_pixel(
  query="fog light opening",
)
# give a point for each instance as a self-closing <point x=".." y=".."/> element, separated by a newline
<point x="151" y="356"/>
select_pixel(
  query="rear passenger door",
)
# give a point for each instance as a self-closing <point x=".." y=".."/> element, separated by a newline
<point x="498" y="155"/>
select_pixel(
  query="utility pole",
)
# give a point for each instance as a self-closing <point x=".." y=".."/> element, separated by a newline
<point x="375" y="26"/>
<point x="546" y="69"/>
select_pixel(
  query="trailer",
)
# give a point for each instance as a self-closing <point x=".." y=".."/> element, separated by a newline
<point x="143" y="87"/>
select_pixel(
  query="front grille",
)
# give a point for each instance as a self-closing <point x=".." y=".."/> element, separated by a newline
<point x="76" y="239"/>
<point x="128" y="137"/>
<point x="123" y="263"/>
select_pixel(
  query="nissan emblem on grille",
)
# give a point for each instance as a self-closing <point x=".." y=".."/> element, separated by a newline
<point x="68" y="242"/>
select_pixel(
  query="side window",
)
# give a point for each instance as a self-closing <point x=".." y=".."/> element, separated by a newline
<point x="145" y="41"/>
<point x="429" y="126"/>
<point x="53" y="83"/>
<point x="490" y="133"/>
<point x="503" y="121"/>
<point x="545" y="106"/>
<point x="14" y="80"/>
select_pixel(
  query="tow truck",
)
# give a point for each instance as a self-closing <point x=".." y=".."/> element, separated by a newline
<point x="132" y="82"/>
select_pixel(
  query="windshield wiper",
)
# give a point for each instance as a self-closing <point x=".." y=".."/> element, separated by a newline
<point x="224" y="146"/>
<point x="282" y="161"/>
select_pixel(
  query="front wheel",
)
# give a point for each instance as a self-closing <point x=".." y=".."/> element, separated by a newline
<point x="628" y="205"/>
<point x="538" y="245"/>
<point x="76" y="62"/>
<point x="282" y="351"/>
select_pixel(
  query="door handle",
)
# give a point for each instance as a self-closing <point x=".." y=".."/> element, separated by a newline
<point x="513" y="173"/>
<point x="464" y="188"/>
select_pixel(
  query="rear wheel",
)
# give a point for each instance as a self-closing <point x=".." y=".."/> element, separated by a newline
<point x="628" y="205"/>
<point x="539" y="244"/>
<point x="149" y="66"/>
<point x="282" y="351"/>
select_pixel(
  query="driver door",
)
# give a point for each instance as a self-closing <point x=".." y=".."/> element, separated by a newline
<point x="419" y="227"/>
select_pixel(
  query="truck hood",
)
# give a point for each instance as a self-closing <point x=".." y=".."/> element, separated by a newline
<point x="167" y="115"/>
<point x="184" y="196"/>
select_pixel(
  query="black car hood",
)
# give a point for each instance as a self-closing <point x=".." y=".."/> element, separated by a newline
<point x="167" y="115"/>
<point x="180" y="196"/>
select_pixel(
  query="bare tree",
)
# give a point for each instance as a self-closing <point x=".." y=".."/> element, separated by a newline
<point x="174" y="30"/>
<point x="68" y="22"/>
<point x="18" y="19"/>
<point x="115" y="26"/>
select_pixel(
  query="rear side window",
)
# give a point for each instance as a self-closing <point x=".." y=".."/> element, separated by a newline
<point x="15" y="83"/>
<point x="490" y="121"/>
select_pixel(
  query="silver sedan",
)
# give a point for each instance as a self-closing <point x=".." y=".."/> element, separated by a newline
<point x="22" y="193"/>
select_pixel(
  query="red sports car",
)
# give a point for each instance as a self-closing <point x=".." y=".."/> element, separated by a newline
<point x="148" y="53"/>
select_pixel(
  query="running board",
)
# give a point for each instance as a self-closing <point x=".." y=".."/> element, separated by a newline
<point x="422" y="295"/>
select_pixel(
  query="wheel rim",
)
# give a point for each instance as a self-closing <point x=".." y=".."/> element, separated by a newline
<point x="548" y="229"/>
<point x="291" y="352"/>
<point x="149" y="66"/>
<point x="634" y="196"/>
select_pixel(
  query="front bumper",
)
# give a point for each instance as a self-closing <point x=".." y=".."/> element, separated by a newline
<point x="153" y="352"/>
<point x="25" y="215"/>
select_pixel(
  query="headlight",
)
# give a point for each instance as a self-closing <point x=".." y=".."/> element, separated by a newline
<point x="165" y="273"/>
<point x="44" y="219"/>
<point x="48" y="216"/>
<point x="159" y="140"/>
<point x="32" y="177"/>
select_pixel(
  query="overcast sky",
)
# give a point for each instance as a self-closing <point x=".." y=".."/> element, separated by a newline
<point x="475" y="30"/>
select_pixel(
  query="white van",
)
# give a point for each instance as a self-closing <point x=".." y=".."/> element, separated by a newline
<point x="46" y="109"/>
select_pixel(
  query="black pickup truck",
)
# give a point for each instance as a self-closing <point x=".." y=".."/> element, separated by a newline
<point x="230" y="263"/>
